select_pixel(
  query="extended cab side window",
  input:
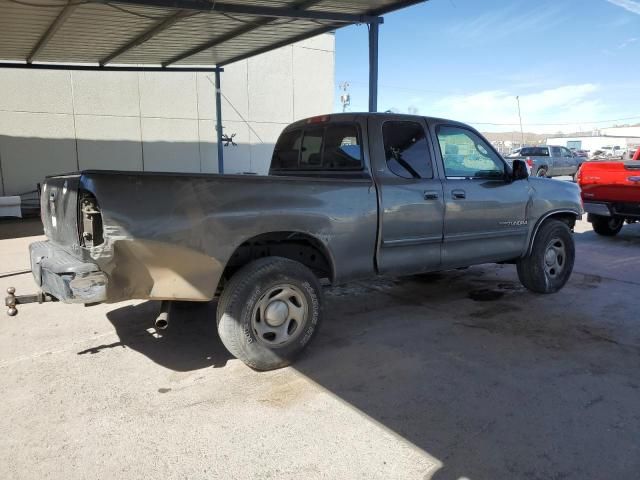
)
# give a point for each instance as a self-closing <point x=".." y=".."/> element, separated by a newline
<point x="555" y="152"/>
<point x="407" y="150"/>
<point x="287" y="150"/>
<point x="467" y="155"/>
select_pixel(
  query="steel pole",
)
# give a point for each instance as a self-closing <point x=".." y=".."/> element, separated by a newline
<point x="373" y="67"/>
<point x="219" y="122"/>
<point x="520" y="117"/>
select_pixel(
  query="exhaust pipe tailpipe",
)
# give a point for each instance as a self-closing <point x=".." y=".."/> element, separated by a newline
<point x="162" y="321"/>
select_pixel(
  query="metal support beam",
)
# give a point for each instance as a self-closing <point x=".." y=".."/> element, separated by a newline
<point x="216" y="41"/>
<point x="283" y="43"/>
<point x="231" y="35"/>
<point x="294" y="13"/>
<point x="219" y="122"/>
<point x="148" y="35"/>
<point x="51" y="31"/>
<point x="290" y="11"/>
<point x="373" y="67"/>
<point x="98" y="68"/>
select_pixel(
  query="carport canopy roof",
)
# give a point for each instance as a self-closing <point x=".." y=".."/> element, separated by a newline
<point x="168" y="33"/>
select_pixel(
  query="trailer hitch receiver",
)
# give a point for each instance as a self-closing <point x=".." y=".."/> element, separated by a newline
<point x="12" y="300"/>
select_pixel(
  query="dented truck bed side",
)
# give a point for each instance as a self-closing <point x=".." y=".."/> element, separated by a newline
<point x="171" y="236"/>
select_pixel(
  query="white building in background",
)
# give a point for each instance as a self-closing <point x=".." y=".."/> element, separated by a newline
<point x="622" y="131"/>
<point x="62" y="121"/>
<point x="596" y="142"/>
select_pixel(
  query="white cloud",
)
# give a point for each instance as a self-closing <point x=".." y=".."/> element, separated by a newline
<point x="508" y="21"/>
<point x="630" y="5"/>
<point x="627" y="42"/>
<point x="568" y="104"/>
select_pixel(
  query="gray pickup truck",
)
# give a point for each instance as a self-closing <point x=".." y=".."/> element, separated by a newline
<point x="551" y="161"/>
<point x="348" y="196"/>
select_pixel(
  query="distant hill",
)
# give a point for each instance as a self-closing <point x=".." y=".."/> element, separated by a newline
<point x="529" y="138"/>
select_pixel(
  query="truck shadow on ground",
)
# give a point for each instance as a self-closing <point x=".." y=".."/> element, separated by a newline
<point x="190" y="342"/>
<point x="493" y="386"/>
<point x="628" y="236"/>
<point x="488" y="379"/>
<point x="20" y="227"/>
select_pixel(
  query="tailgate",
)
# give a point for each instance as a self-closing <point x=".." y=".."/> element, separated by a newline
<point x="611" y="181"/>
<point x="59" y="209"/>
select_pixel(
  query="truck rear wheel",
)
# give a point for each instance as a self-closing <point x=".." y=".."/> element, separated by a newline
<point x="542" y="172"/>
<point x="607" y="226"/>
<point x="548" y="266"/>
<point x="269" y="312"/>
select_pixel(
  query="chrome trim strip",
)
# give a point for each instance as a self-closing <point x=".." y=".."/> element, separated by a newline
<point x="405" y="242"/>
<point x="483" y="235"/>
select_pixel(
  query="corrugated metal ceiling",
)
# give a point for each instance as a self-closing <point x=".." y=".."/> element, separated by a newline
<point x="147" y="32"/>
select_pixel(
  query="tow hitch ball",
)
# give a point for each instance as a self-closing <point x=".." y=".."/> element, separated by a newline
<point x="12" y="300"/>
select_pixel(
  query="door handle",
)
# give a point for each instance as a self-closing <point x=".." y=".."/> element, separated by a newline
<point x="458" y="194"/>
<point x="430" y="195"/>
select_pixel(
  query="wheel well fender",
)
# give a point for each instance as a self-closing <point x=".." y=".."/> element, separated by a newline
<point x="567" y="216"/>
<point x="299" y="246"/>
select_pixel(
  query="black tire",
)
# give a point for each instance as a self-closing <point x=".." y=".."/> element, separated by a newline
<point x="606" y="226"/>
<point x="243" y="308"/>
<point x="536" y="272"/>
<point x="542" y="172"/>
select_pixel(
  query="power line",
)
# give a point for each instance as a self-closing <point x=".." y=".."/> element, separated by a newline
<point x="578" y="122"/>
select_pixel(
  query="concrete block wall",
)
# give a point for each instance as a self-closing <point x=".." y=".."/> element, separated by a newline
<point x="61" y="121"/>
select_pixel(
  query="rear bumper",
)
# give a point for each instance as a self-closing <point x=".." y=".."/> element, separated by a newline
<point x="611" y="209"/>
<point x="597" y="208"/>
<point x="65" y="277"/>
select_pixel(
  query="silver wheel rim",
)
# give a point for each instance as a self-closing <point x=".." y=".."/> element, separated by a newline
<point x="542" y="173"/>
<point x="555" y="258"/>
<point x="280" y="316"/>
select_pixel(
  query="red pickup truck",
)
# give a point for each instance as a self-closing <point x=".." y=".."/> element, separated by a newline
<point x="611" y="193"/>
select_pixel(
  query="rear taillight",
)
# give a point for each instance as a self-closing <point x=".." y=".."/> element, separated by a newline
<point x="529" y="161"/>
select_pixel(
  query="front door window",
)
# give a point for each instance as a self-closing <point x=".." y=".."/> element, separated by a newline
<point x="466" y="155"/>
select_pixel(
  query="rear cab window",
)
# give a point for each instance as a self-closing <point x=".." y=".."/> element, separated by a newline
<point x="535" y="152"/>
<point x="333" y="147"/>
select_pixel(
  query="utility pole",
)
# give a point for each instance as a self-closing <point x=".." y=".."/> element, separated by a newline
<point x="520" y="117"/>
<point x="345" y="98"/>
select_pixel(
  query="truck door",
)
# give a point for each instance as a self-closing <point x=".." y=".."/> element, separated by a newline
<point x="410" y="195"/>
<point x="569" y="162"/>
<point x="557" y="163"/>
<point x="485" y="212"/>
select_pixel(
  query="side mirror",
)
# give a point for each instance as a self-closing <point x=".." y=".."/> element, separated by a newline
<point x="519" y="170"/>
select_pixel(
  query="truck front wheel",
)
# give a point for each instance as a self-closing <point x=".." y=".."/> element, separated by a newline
<point x="607" y="226"/>
<point x="549" y="264"/>
<point x="269" y="312"/>
<point x="542" y="172"/>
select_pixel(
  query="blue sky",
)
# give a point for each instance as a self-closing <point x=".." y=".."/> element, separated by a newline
<point x="571" y="62"/>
